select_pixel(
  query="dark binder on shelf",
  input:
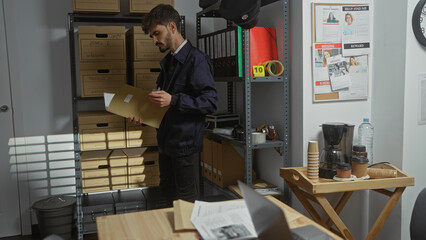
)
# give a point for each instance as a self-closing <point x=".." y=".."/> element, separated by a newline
<point x="225" y="49"/>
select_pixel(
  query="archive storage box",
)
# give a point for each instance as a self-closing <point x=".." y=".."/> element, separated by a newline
<point x="102" y="43"/>
<point x="118" y="170"/>
<point x="229" y="163"/>
<point x="127" y="201"/>
<point x="95" y="171"/>
<point x="99" y="77"/>
<point x="145" y="74"/>
<point x="96" y="6"/>
<point x="95" y="205"/>
<point x="101" y="130"/>
<point x="142" y="46"/>
<point x="222" y="163"/>
<point x="144" y="6"/>
<point x="138" y="135"/>
<point x="145" y="174"/>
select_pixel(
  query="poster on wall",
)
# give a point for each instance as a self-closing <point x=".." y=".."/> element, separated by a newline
<point x="341" y="44"/>
<point x="356" y="30"/>
<point x="328" y="20"/>
<point x="343" y="78"/>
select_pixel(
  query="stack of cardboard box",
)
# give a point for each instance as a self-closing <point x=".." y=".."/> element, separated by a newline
<point x="119" y="169"/>
<point x="102" y="52"/>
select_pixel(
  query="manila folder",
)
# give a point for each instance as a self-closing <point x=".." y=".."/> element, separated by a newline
<point x="130" y="101"/>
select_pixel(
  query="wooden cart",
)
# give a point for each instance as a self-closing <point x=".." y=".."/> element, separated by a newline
<point x="306" y="190"/>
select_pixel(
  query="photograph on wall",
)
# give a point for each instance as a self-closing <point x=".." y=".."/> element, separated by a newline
<point x="355" y="30"/>
<point x="328" y="22"/>
<point x="338" y="73"/>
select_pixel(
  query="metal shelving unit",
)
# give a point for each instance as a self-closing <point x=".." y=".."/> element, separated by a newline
<point x="73" y="20"/>
<point x="247" y="80"/>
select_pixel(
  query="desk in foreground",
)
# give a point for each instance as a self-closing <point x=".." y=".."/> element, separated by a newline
<point x="306" y="190"/>
<point x="159" y="224"/>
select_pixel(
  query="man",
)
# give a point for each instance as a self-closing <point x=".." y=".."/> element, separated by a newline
<point x="186" y="85"/>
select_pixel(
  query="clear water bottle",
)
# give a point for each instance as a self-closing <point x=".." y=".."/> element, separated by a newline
<point x="365" y="137"/>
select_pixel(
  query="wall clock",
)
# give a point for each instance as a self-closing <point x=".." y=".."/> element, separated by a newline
<point x="419" y="22"/>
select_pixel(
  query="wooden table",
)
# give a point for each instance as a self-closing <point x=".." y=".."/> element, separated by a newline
<point x="306" y="190"/>
<point x="159" y="224"/>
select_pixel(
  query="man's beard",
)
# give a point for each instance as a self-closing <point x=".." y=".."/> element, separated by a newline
<point x="166" y="45"/>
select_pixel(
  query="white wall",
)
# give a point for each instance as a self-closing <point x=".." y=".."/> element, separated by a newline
<point x="387" y="105"/>
<point x="307" y="116"/>
<point x="414" y="136"/>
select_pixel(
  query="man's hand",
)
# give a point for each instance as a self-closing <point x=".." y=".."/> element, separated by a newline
<point x="134" y="120"/>
<point x="161" y="98"/>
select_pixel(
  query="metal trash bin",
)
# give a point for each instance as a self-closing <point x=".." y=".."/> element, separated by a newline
<point x="55" y="215"/>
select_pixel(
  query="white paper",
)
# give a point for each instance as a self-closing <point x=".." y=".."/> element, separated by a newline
<point x="128" y="98"/>
<point x="223" y="220"/>
<point x="107" y="99"/>
<point x="356" y="30"/>
<point x="328" y="23"/>
<point x="338" y="72"/>
<point x="320" y="71"/>
<point x="358" y="72"/>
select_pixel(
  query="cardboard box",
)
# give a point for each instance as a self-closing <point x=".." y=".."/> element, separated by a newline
<point x="145" y="74"/>
<point x="101" y="130"/>
<point x="97" y="160"/>
<point x="97" y="6"/>
<point x="144" y="6"/>
<point x="102" y="43"/>
<point x="143" y="181"/>
<point x="99" y="77"/>
<point x="144" y="169"/>
<point x="139" y="156"/>
<point x="118" y="159"/>
<point x="95" y="189"/>
<point x="138" y="135"/>
<point x="142" y="46"/>
<point x="230" y="165"/>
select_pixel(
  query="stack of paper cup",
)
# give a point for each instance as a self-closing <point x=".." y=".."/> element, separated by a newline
<point x="313" y="161"/>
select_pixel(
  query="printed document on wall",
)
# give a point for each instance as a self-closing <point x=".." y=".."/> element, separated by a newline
<point x="339" y="73"/>
<point x="358" y="72"/>
<point x="328" y="23"/>
<point x="356" y="30"/>
<point x="321" y="77"/>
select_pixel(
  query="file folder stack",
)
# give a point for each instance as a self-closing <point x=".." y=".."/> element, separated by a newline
<point x="224" y="48"/>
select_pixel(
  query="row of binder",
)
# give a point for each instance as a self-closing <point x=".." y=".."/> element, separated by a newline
<point x="225" y="49"/>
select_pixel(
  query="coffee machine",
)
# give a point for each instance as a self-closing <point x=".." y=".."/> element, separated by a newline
<point x="338" y="139"/>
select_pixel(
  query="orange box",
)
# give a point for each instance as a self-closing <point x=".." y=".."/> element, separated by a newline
<point x="102" y="43"/>
<point x="145" y="74"/>
<point x="99" y="77"/>
<point x="142" y="46"/>
<point x="144" y="6"/>
<point x="97" y="6"/>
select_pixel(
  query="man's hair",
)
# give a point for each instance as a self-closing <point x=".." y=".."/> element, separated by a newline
<point x="162" y="14"/>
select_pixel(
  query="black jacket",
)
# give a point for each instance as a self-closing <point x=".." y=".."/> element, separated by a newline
<point x="193" y="96"/>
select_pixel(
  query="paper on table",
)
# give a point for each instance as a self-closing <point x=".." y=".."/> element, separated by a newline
<point x="131" y="101"/>
<point x="223" y="220"/>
